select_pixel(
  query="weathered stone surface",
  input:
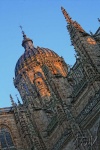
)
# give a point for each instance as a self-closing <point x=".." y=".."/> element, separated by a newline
<point x="61" y="105"/>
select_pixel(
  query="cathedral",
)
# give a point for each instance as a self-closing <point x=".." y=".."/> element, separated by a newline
<point x="60" y="107"/>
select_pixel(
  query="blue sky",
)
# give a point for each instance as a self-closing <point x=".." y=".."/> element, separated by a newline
<point x="43" y="22"/>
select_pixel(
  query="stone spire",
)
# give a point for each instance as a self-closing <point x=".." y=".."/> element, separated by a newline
<point x="27" y="43"/>
<point x="84" y="45"/>
<point x="66" y="15"/>
<point x="70" y="21"/>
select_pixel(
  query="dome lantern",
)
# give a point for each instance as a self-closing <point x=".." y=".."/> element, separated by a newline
<point x="27" y="43"/>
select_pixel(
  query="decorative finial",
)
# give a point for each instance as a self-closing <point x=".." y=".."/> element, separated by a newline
<point x="99" y="19"/>
<point x="21" y="27"/>
<point x="66" y="15"/>
<point x="22" y="31"/>
<point x="26" y="41"/>
<point x="18" y="100"/>
<point x="12" y="101"/>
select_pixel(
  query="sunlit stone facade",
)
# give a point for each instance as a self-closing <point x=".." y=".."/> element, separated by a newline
<point x="61" y="105"/>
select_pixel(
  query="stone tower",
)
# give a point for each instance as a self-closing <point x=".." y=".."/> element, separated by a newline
<point x="84" y="77"/>
<point x="40" y="77"/>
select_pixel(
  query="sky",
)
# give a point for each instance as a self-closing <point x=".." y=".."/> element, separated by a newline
<point x="44" y="23"/>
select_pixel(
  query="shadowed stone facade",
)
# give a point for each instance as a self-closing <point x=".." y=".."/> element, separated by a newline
<point x="61" y="105"/>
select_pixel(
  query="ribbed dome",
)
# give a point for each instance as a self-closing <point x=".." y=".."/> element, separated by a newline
<point x="29" y="54"/>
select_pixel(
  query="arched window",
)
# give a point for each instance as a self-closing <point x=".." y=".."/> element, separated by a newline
<point x="6" y="141"/>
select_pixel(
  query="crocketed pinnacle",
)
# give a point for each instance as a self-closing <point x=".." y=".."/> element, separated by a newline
<point x="66" y="15"/>
<point x="12" y="101"/>
<point x="70" y="21"/>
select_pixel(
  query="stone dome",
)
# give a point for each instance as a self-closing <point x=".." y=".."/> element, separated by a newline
<point x="29" y="54"/>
